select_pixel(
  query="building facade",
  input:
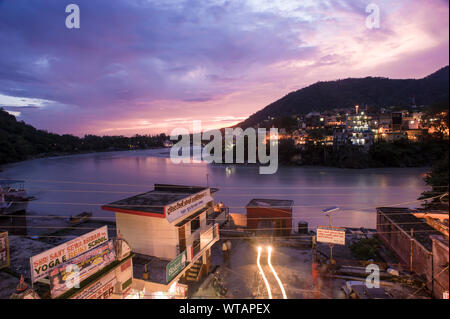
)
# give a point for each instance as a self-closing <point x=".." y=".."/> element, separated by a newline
<point x="271" y="217"/>
<point x="168" y="231"/>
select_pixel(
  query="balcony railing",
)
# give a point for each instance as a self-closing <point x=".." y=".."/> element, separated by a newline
<point x="202" y="237"/>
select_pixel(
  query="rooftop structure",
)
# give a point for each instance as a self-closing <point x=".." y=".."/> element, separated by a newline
<point x="419" y="243"/>
<point x="274" y="203"/>
<point x="153" y="202"/>
<point x="270" y="217"/>
<point x="405" y="220"/>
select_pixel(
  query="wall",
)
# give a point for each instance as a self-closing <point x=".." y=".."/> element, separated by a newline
<point x="255" y="214"/>
<point x="151" y="236"/>
<point x="440" y="266"/>
<point x="399" y="242"/>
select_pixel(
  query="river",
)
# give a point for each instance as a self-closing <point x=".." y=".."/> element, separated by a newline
<point x="68" y="185"/>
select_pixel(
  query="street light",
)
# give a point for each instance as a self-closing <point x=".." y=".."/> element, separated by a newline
<point x="328" y="211"/>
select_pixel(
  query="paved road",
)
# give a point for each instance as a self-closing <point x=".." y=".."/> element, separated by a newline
<point x="292" y="265"/>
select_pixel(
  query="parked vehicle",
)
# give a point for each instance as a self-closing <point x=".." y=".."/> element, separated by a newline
<point x="219" y="286"/>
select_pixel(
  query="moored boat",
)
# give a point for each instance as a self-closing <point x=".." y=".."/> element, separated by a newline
<point x="13" y="197"/>
<point x="80" y="218"/>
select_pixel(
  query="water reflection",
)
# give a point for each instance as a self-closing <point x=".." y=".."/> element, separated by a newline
<point x="69" y="185"/>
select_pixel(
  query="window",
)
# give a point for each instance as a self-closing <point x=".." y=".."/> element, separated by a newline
<point x="195" y="224"/>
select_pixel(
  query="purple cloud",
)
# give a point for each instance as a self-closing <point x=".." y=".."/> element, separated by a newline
<point x="139" y="61"/>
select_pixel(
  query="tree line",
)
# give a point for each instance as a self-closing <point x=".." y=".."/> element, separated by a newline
<point x="20" y="141"/>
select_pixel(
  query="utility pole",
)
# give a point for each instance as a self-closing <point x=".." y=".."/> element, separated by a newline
<point x="412" y="249"/>
<point x="331" y="245"/>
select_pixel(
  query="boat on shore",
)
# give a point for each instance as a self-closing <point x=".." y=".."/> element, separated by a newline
<point x="80" y="218"/>
<point x="13" y="197"/>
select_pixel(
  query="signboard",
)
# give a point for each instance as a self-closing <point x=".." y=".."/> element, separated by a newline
<point x="4" y="250"/>
<point x="445" y="295"/>
<point x="206" y="237"/>
<point x="331" y="235"/>
<point x="182" y="207"/>
<point x="42" y="264"/>
<point x="175" y="266"/>
<point x="100" y="289"/>
<point x="81" y="267"/>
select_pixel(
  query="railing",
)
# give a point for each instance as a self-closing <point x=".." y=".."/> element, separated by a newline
<point x="202" y="237"/>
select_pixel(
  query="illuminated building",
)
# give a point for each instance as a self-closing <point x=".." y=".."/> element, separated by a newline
<point x="168" y="231"/>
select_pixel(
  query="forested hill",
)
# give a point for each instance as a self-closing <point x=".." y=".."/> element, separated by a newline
<point x="371" y="91"/>
<point x="20" y="141"/>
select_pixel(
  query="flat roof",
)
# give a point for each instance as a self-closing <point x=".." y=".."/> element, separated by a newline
<point x="156" y="268"/>
<point x="154" y="201"/>
<point x="404" y="219"/>
<point x="275" y="203"/>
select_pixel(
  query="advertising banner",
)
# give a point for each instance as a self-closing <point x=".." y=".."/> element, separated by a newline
<point x="81" y="267"/>
<point x="175" y="266"/>
<point x="42" y="264"/>
<point x="4" y="250"/>
<point x="187" y="205"/>
<point x="331" y="235"/>
<point x="206" y="237"/>
<point x="100" y="289"/>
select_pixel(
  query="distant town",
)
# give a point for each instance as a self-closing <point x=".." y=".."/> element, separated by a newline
<point x="362" y="126"/>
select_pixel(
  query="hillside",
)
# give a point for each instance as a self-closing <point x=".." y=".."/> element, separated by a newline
<point x="20" y="141"/>
<point x="371" y="91"/>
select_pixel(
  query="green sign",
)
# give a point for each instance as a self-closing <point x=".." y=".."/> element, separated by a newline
<point x="175" y="266"/>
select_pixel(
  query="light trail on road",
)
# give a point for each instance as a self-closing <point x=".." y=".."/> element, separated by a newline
<point x="269" y="249"/>
<point x="269" y="291"/>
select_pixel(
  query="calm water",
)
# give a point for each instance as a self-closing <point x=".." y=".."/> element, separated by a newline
<point x="72" y="184"/>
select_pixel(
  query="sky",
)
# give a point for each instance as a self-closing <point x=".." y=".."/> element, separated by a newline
<point x="148" y="66"/>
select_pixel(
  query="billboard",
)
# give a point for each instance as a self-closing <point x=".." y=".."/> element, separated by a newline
<point x="331" y="235"/>
<point x="207" y="237"/>
<point x="187" y="205"/>
<point x="81" y="267"/>
<point x="43" y="263"/>
<point x="100" y="289"/>
<point x="4" y="250"/>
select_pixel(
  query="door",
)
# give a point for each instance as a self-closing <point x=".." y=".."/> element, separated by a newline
<point x="182" y="238"/>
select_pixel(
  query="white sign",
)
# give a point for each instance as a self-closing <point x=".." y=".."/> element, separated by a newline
<point x="206" y="237"/>
<point x="43" y="263"/>
<point x="445" y="295"/>
<point x="331" y="235"/>
<point x="100" y="289"/>
<point x="187" y="205"/>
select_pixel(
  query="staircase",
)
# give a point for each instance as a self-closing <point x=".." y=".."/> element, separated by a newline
<point x="192" y="274"/>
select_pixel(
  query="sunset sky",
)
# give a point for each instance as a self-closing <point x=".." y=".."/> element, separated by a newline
<point x="147" y="66"/>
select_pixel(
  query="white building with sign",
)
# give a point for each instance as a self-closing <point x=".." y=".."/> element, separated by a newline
<point x="169" y="234"/>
